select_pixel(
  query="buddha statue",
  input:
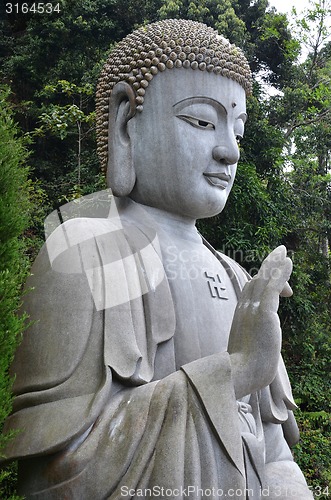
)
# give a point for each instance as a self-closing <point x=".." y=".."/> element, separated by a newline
<point x="152" y="366"/>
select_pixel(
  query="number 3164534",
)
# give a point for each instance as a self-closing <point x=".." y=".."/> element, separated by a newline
<point x="35" y="8"/>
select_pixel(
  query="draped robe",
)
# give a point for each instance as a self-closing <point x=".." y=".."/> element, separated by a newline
<point x="120" y="391"/>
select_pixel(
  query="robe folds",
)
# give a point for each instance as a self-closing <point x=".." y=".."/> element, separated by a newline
<point x="93" y="420"/>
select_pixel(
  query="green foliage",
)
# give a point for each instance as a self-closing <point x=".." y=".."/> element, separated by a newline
<point x="60" y="118"/>
<point x="313" y="452"/>
<point x="74" y="118"/>
<point x="14" y="215"/>
<point x="276" y="46"/>
<point x="54" y="85"/>
<point x="8" y="478"/>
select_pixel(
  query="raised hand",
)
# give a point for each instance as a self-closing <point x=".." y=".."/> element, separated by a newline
<point x="255" y="337"/>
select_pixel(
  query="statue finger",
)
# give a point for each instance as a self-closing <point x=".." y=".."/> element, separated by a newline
<point x="287" y="291"/>
<point x="277" y="285"/>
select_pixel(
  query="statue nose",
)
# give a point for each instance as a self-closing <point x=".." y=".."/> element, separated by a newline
<point x="229" y="155"/>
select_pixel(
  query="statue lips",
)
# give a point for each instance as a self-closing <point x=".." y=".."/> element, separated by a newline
<point x="218" y="179"/>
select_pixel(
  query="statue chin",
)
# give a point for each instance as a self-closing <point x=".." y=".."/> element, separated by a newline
<point x="191" y="211"/>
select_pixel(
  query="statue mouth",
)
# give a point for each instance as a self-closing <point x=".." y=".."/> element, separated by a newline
<point x="218" y="179"/>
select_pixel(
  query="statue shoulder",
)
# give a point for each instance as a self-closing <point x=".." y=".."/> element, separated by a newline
<point x="64" y="244"/>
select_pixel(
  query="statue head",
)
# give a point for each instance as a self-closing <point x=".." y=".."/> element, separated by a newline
<point x="136" y="81"/>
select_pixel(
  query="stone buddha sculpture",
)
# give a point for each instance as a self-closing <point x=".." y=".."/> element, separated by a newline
<point x="152" y="368"/>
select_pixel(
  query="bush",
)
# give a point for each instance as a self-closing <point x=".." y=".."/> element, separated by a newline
<point x="15" y="210"/>
<point x="313" y="451"/>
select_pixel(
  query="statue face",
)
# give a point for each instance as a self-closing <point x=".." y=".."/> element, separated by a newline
<point x="184" y="142"/>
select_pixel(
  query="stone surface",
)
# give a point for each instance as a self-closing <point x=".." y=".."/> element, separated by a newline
<point x="153" y="366"/>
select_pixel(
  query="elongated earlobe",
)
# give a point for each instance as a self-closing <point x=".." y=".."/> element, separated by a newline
<point x="121" y="176"/>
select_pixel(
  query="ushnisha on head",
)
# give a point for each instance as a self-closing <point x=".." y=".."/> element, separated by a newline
<point x="152" y="49"/>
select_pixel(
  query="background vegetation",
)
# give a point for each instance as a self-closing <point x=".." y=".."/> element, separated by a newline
<point x="282" y="194"/>
<point x="15" y="208"/>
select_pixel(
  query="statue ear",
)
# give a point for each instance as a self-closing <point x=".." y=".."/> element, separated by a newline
<point x="121" y="176"/>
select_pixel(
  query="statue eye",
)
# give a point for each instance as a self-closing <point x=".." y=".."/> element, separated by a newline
<point x="238" y="138"/>
<point x="196" y="122"/>
<point x="204" y="124"/>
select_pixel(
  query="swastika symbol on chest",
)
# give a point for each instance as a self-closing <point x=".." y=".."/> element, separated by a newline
<point x="216" y="286"/>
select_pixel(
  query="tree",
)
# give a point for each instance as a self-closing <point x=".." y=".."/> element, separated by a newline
<point x="14" y="215"/>
<point x="69" y="119"/>
<point x="303" y="113"/>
